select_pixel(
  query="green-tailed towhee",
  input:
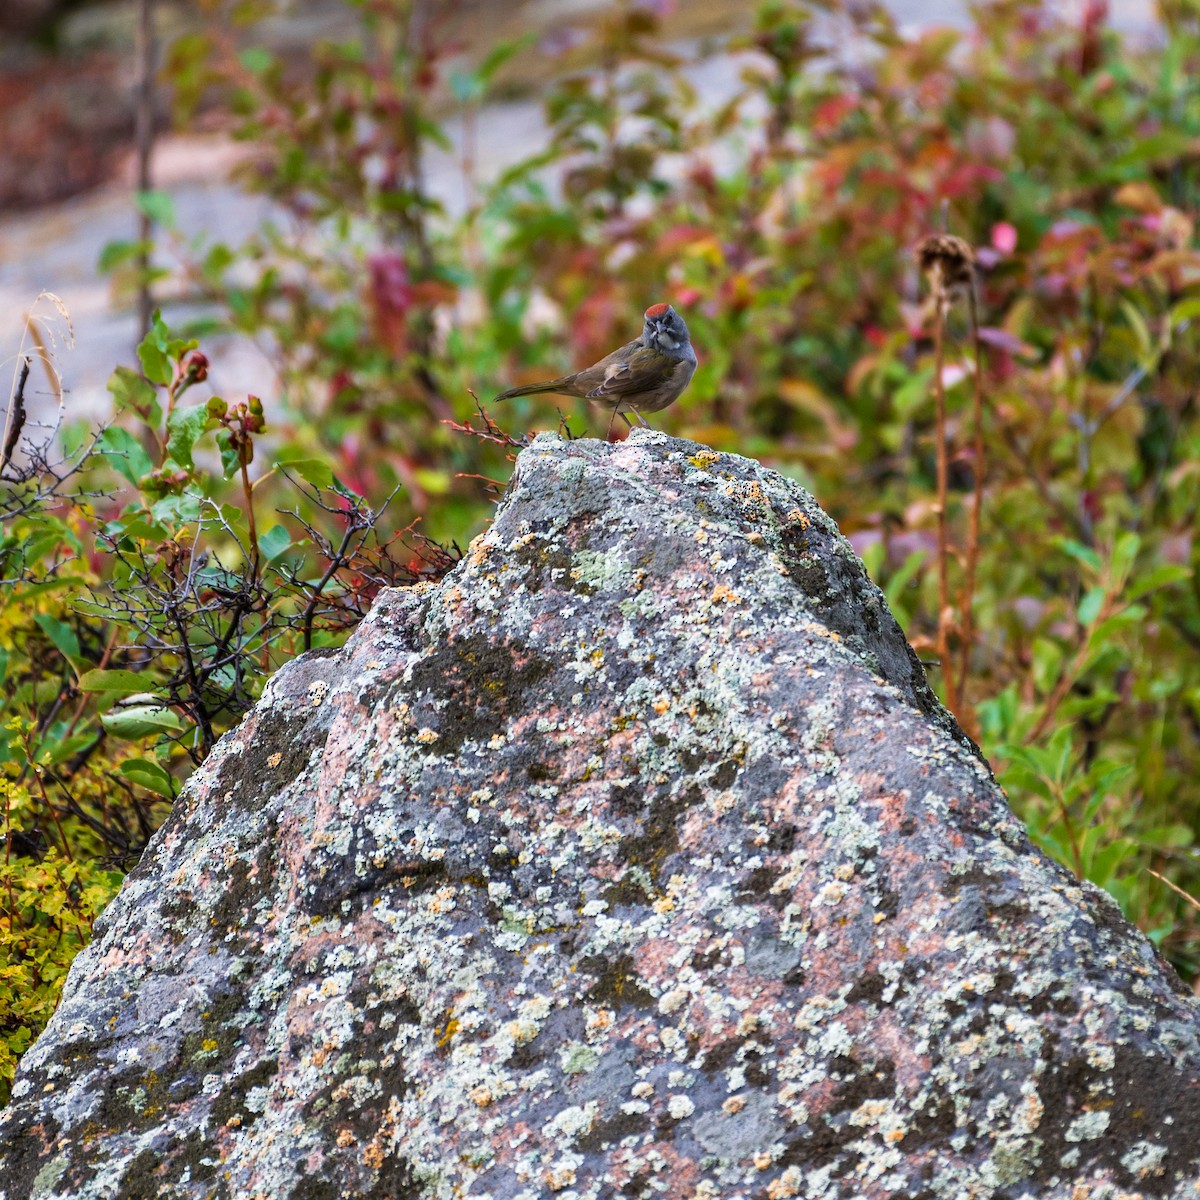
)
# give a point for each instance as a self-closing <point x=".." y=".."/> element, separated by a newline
<point x="644" y="376"/>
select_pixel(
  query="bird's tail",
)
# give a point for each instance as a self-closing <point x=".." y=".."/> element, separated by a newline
<point x="530" y="389"/>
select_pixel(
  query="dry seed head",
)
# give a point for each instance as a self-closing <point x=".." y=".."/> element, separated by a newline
<point x="947" y="262"/>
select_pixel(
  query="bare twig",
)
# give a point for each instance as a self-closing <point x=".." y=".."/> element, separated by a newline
<point x="15" y="421"/>
<point x="337" y="560"/>
<point x="948" y="264"/>
<point x="1175" y="888"/>
<point x="144" y="133"/>
<point x="945" y="615"/>
<point x="490" y="432"/>
<point x="979" y="471"/>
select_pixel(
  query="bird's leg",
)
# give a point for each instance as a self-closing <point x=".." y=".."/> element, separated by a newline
<point x="625" y="418"/>
<point x="645" y="423"/>
<point x="611" y="422"/>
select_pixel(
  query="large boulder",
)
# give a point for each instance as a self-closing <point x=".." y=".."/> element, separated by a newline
<point x="634" y="858"/>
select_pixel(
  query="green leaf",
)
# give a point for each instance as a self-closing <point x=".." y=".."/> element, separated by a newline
<point x="115" y="253"/>
<point x="311" y="470"/>
<point x="1080" y="552"/>
<point x="174" y="511"/>
<point x="1047" y="663"/>
<point x="184" y="428"/>
<point x="1141" y="332"/>
<point x="57" y="752"/>
<point x="62" y="635"/>
<point x="1125" y="551"/>
<point x="149" y="775"/>
<point x="155" y="362"/>
<point x="904" y="575"/>
<point x="231" y="459"/>
<point x="1159" y="577"/>
<point x="141" y="720"/>
<point x="914" y="394"/>
<point x="1185" y="310"/>
<point x="156" y="205"/>
<point x="500" y="54"/>
<point x="122" y="683"/>
<point x="126" y="453"/>
<point x="256" y="60"/>
<point x="436" y="483"/>
<point x="1154" y="147"/>
<point x="274" y="542"/>
<point x="1106" y="862"/>
<point x="1090" y="606"/>
<point x="130" y="391"/>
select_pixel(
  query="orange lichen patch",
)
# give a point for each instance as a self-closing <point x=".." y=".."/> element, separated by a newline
<point x="727" y="594"/>
<point x="559" y="1178"/>
<point x="600" y="1021"/>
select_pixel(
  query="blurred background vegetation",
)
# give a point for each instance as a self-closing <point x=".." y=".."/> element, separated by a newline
<point x="154" y="573"/>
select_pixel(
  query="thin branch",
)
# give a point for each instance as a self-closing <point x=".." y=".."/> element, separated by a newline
<point x="16" y="417"/>
<point x="944" y="613"/>
<point x="144" y="113"/>
<point x="979" y="470"/>
<point x="491" y="432"/>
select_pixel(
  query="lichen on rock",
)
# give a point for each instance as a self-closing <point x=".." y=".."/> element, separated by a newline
<point x="634" y="857"/>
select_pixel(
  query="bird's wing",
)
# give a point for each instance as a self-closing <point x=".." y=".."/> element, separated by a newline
<point x="630" y="370"/>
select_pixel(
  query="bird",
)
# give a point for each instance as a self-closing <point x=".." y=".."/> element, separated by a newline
<point x="644" y="375"/>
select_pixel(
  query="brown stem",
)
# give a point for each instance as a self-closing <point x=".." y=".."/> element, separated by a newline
<point x="41" y="787"/>
<point x="100" y="666"/>
<point x="1067" y="679"/>
<point x="943" y="539"/>
<point x="15" y="418"/>
<point x="336" y="561"/>
<point x="248" y="491"/>
<point x="8" y="879"/>
<point x="144" y="133"/>
<point x="966" y="603"/>
<point x="192" y="676"/>
<point x="1072" y="834"/>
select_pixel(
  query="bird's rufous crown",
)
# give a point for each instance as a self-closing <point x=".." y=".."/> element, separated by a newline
<point x="656" y="310"/>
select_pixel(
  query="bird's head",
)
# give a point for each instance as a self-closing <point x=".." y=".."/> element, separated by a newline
<point x="665" y="329"/>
